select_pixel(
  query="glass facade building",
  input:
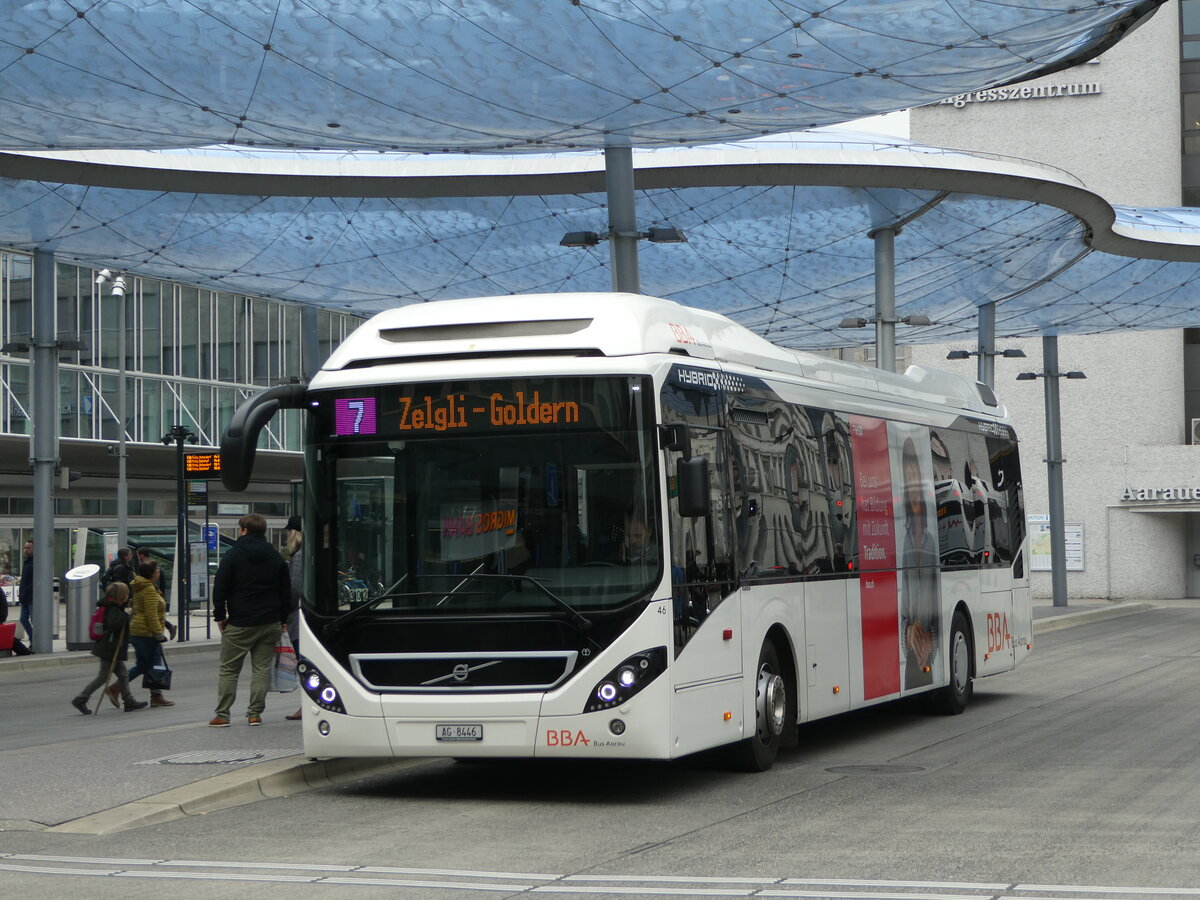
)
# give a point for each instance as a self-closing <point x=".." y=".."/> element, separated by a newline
<point x="191" y="356"/>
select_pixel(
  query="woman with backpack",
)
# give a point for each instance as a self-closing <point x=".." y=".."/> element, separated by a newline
<point x="112" y="647"/>
<point x="148" y="629"/>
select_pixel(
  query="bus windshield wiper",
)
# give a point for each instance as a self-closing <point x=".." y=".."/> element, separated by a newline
<point x="454" y="590"/>
<point x="582" y="622"/>
<point x="346" y="618"/>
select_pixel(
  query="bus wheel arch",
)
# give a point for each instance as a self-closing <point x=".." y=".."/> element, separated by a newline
<point x="953" y="698"/>
<point x="774" y="705"/>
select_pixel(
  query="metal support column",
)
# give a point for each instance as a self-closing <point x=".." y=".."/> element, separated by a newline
<point x="122" y="419"/>
<point x="310" y="342"/>
<point x="622" y="219"/>
<point x="1054" y="463"/>
<point x="44" y="446"/>
<point x="183" y="560"/>
<point x="885" y="298"/>
<point x="987" y="344"/>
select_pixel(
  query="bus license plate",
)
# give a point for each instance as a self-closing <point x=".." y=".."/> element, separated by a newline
<point x="459" y="732"/>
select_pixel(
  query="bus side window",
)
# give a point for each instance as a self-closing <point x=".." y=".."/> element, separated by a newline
<point x="982" y="499"/>
<point x="808" y="504"/>
<point x="1006" y="503"/>
<point x="957" y="518"/>
<point x="839" y="487"/>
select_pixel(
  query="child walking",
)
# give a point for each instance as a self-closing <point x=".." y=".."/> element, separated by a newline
<point x="112" y="649"/>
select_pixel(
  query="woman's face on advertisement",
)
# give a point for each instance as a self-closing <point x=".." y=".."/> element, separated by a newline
<point x="914" y="495"/>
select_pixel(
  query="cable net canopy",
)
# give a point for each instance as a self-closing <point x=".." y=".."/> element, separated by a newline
<point x="481" y="75"/>
<point x="789" y="261"/>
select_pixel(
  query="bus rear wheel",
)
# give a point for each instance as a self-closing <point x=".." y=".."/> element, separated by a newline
<point x="757" y="753"/>
<point x="953" y="698"/>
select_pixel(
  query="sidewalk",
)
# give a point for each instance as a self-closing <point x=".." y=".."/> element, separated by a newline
<point x="1047" y="617"/>
<point x="63" y="748"/>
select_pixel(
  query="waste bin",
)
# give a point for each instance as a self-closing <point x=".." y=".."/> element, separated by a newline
<point x="83" y="590"/>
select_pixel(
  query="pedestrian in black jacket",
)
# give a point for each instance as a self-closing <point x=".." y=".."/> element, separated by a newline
<point x="121" y="568"/>
<point x="25" y="592"/>
<point x="112" y="649"/>
<point x="251" y="602"/>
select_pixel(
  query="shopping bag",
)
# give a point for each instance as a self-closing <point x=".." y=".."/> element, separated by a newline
<point x="283" y="673"/>
<point x="159" y="676"/>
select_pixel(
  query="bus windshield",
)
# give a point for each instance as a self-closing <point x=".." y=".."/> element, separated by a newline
<point x="499" y="496"/>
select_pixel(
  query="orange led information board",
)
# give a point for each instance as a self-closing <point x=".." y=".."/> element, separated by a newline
<point x="202" y="465"/>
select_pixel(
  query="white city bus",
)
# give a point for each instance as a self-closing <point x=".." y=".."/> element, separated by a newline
<point x="609" y="526"/>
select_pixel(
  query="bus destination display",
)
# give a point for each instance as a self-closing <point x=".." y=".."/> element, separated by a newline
<point x="425" y="413"/>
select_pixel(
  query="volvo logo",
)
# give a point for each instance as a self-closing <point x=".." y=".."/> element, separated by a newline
<point x="461" y="672"/>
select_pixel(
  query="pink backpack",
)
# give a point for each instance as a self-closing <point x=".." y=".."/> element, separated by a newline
<point x="96" y="625"/>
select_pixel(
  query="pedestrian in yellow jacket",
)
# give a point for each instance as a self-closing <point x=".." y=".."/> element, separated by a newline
<point x="148" y="626"/>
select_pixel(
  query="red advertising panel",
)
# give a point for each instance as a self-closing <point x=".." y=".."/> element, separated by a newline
<point x="873" y="501"/>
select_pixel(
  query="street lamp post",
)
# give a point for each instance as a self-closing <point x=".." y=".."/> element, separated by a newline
<point x="1054" y="463"/>
<point x="177" y="436"/>
<point x="118" y="293"/>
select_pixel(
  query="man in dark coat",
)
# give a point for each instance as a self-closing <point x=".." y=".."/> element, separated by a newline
<point x="121" y="568"/>
<point x="25" y="592"/>
<point x="251" y="601"/>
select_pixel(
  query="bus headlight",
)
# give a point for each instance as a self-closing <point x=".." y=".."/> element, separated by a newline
<point x="627" y="679"/>
<point x="319" y="689"/>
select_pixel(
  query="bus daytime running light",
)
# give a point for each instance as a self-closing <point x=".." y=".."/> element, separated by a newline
<point x="319" y="689"/>
<point x="627" y="679"/>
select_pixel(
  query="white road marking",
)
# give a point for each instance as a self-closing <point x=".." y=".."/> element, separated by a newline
<point x="947" y="885"/>
<point x="458" y="873"/>
<point x="675" y="879"/>
<point x="617" y="884"/>
<point x="1075" y="889"/>
<point x="648" y="891"/>
<point x="858" y="895"/>
<point x="291" y="867"/>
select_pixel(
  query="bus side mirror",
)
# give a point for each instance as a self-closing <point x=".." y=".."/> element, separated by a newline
<point x="691" y="478"/>
<point x="676" y="437"/>
<point x="240" y="440"/>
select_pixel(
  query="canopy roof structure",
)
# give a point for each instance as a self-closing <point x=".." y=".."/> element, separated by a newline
<point x="481" y="75"/>
<point x="311" y="200"/>
<point x="781" y="243"/>
<point x="778" y="232"/>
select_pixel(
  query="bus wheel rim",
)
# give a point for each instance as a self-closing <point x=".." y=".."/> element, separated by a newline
<point x="772" y="704"/>
<point x="962" y="664"/>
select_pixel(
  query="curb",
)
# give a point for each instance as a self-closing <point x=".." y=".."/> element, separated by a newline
<point x="1087" y="616"/>
<point x="262" y="781"/>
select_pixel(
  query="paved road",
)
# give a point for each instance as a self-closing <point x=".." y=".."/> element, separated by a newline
<point x="1078" y="776"/>
<point x="61" y="765"/>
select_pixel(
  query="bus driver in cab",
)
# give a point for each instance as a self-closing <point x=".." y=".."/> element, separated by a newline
<point x="638" y="547"/>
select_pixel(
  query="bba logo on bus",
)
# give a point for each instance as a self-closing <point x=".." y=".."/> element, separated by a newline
<point x="566" y="738"/>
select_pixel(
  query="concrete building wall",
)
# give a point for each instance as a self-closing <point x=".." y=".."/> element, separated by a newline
<point x="1125" y="425"/>
<point x="1122" y="142"/>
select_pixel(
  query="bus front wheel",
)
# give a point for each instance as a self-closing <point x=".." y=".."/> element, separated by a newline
<point x="953" y="698"/>
<point x="757" y="753"/>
